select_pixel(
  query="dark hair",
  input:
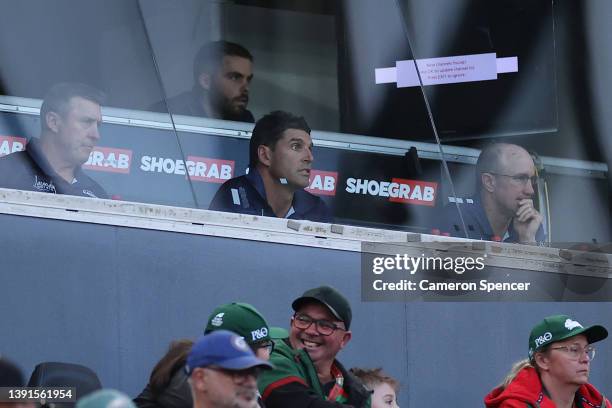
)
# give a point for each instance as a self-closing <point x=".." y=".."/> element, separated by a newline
<point x="174" y="359"/>
<point x="371" y="377"/>
<point x="211" y="54"/>
<point x="59" y="96"/>
<point x="269" y="129"/>
<point x="10" y="374"/>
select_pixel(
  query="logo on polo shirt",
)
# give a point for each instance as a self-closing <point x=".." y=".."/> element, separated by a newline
<point x="217" y="320"/>
<point x="259" y="334"/>
<point x="571" y="324"/>
<point x="43" y="185"/>
<point x="11" y="144"/>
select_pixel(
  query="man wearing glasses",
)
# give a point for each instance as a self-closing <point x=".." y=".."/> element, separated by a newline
<point x="223" y="371"/>
<point x="306" y="372"/>
<point x="502" y="208"/>
<point x="556" y="374"/>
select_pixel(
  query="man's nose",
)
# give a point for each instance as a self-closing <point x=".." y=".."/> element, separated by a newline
<point x="94" y="132"/>
<point x="529" y="188"/>
<point x="309" y="157"/>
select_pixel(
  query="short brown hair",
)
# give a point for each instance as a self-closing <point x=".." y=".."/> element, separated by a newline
<point x="372" y="377"/>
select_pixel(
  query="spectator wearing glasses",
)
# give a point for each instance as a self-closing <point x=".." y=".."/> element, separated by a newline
<point x="502" y="208"/>
<point x="223" y="371"/>
<point x="306" y="372"/>
<point x="168" y="386"/>
<point x="556" y="374"/>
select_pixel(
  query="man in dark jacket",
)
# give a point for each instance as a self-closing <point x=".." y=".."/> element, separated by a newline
<point x="306" y="372"/>
<point x="222" y="74"/>
<point x="168" y="387"/>
<point x="280" y="162"/>
<point x="70" y="118"/>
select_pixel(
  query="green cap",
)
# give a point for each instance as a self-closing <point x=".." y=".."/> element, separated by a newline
<point x="331" y="298"/>
<point x="105" y="399"/>
<point x="278" y="333"/>
<point x="560" y="327"/>
<point x="240" y="318"/>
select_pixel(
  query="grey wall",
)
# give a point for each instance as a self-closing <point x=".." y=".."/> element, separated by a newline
<point x="113" y="298"/>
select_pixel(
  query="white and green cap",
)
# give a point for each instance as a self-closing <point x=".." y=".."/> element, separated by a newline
<point x="560" y="327"/>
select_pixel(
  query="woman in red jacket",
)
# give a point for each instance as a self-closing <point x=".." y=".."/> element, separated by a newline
<point x="556" y="374"/>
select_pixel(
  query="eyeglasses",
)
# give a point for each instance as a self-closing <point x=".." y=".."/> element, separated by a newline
<point x="575" y="351"/>
<point x="268" y="345"/>
<point x="520" y="179"/>
<point x="238" y="376"/>
<point x="324" y="327"/>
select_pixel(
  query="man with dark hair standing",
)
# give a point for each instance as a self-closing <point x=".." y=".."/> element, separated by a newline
<point x="306" y="373"/>
<point x="70" y="118"/>
<point x="280" y="161"/>
<point x="222" y="74"/>
<point x="502" y="208"/>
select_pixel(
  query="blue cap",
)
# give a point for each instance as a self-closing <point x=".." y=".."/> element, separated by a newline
<point x="223" y="349"/>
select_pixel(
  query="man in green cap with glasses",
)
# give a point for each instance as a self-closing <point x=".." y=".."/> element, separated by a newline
<point x="306" y="372"/>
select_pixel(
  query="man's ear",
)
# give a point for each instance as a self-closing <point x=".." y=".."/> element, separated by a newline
<point x="488" y="181"/>
<point x="264" y="155"/>
<point x="541" y="361"/>
<point x="204" y="80"/>
<point x="346" y="338"/>
<point x="52" y="119"/>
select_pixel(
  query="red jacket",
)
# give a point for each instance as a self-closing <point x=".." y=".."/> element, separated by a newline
<point x="526" y="391"/>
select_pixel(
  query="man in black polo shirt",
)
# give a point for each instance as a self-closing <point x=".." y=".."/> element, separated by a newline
<point x="70" y="117"/>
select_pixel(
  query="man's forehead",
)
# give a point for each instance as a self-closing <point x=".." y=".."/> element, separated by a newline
<point x="297" y="135"/>
<point x="315" y="307"/>
<point x="516" y="158"/>
<point x="237" y="63"/>
<point x="83" y="105"/>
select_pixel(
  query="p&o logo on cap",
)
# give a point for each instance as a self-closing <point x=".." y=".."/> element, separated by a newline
<point x="572" y="324"/>
<point x="543" y="339"/>
<point x="259" y="334"/>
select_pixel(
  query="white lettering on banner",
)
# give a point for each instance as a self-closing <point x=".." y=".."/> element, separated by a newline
<point x="11" y="144"/>
<point x="197" y="168"/>
<point x="109" y="159"/>
<point x="259" y="334"/>
<point x="398" y="190"/>
<point x="322" y="182"/>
